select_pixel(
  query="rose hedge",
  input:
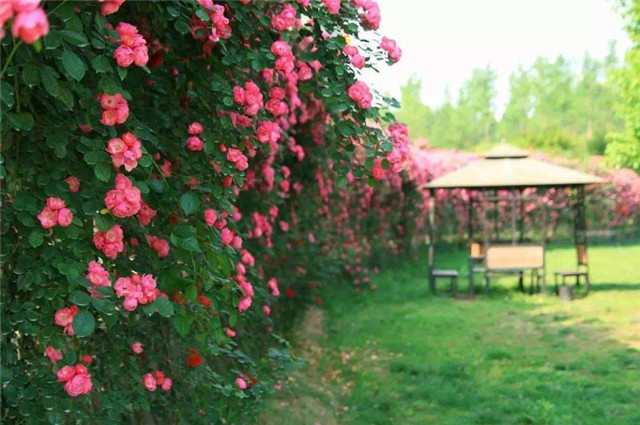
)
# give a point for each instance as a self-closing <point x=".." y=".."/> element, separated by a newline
<point x="177" y="179"/>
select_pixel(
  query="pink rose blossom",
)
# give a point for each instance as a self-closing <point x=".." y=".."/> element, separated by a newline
<point x="136" y="347"/>
<point x="230" y="332"/>
<point x="195" y="128"/>
<point x="78" y="385"/>
<point x="65" y="217"/>
<point x="241" y="383"/>
<point x="64" y="318"/>
<point x="194" y="143"/>
<point x="125" y="151"/>
<point x="244" y="304"/>
<point x="149" y="382"/>
<point x="53" y="353"/>
<point x="65" y="373"/>
<point x="111" y="242"/>
<point x="74" y="184"/>
<point x="210" y="216"/>
<point x="360" y="94"/>
<point x="124" y="200"/>
<point x="333" y="6"/>
<point x="30" y="25"/>
<point x="110" y="7"/>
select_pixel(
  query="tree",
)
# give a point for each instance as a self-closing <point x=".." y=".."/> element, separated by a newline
<point x="623" y="149"/>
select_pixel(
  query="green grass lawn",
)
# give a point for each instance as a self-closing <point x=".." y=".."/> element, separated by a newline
<point x="399" y="355"/>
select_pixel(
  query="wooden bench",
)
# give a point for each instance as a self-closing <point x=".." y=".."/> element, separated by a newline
<point x="582" y="270"/>
<point x="514" y="259"/>
<point x="450" y="274"/>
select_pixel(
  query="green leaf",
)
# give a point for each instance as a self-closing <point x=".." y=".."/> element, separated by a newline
<point x="164" y="307"/>
<point x="80" y="298"/>
<point x="156" y="185"/>
<point x="84" y="324"/>
<point x="50" y="80"/>
<point x="30" y="75"/>
<point x="189" y="202"/>
<point x="182" y="324"/>
<point x="101" y="64"/>
<point x="181" y="26"/>
<point x="73" y="65"/>
<point x="103" y="172"/>
<point x="21" y="122"/>
<point x="7" y="94"/>
<point x="73" y="37"/>
<point x="122" y="73"/>
<point x="35" y="238"/>
<point x="103" y="306"/>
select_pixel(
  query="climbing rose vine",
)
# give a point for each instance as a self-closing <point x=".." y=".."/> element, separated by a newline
<point x="178" y="179"/>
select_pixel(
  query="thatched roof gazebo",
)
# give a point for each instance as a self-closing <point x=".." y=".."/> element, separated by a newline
<point x="506" y="167"/>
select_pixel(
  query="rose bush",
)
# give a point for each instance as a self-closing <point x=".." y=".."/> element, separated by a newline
<point x="178" y="178"/>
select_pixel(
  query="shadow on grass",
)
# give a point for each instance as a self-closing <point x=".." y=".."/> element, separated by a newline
<point x="615" y="287"/>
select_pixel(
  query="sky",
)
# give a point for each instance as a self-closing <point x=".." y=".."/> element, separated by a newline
<point x="443" y="41"/>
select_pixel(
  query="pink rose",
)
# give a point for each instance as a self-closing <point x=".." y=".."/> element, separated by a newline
<point x="149" y="382"/>
<point x="226" y="235"/>
<point x="97" y="275"/>
<point x="377" y="171"/>
<point x="136" y="347"/>
<point x="195" y="128"/>
<point x="55" y="203"/>
<point x="230" y="333"/>
<point x="266" y="310"/>
<point x="78" y="385"/>
<point x="53" y="353"/>
<point x="210" y="216"/>
<point x="124" y="56"/>
<point x="244" y="304"/>
<point x="64" y="316"/>
<point x="360" y="94"/>
<point x="130" y="304"/>
<point x="66" y="373"/>
<point x="48" y="218"/>
<point x="241" y="383"/>
<point x="333" y="6"/>
<point x="65" y="217"/>
<point x="30" y="25"/>
<point x="194" y="143"/>
<point x="281" y="48"/>
<point x="166" y="385"/>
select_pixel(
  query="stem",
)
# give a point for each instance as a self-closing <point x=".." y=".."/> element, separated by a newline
<point x="19" y="43"/>
<point x="10" y="57"/>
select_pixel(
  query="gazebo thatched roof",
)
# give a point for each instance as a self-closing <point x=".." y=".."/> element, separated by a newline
<point x="506" y="166"/>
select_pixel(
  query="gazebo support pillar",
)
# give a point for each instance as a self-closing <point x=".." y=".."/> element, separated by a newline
<point x="432" y="239"/>
<point x="580" y="227"/>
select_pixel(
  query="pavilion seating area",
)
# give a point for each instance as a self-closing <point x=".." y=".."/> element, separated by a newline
<point x="506" y="168"/>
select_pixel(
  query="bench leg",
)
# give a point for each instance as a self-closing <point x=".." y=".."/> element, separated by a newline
<point x="521" y="282"/>
<point x="454" y="285"/>
<point x="555" y="281"/>
<point x="486" y="283"/>
<point x="432" y="283"/>
<point x="577" y="280"/>
<point x="471" y="283"/>
<point x="587" y="284"/>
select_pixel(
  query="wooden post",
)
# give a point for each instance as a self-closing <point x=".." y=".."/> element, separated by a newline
<point x="432" y="237"/>
<point x="521" y="215"/>
<point x="543" y="283"/>
<point x="470" y="241"/>
<point x="514" y="226"/>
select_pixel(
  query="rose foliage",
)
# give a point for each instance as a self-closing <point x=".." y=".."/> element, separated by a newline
<point x="177" y="180"/>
